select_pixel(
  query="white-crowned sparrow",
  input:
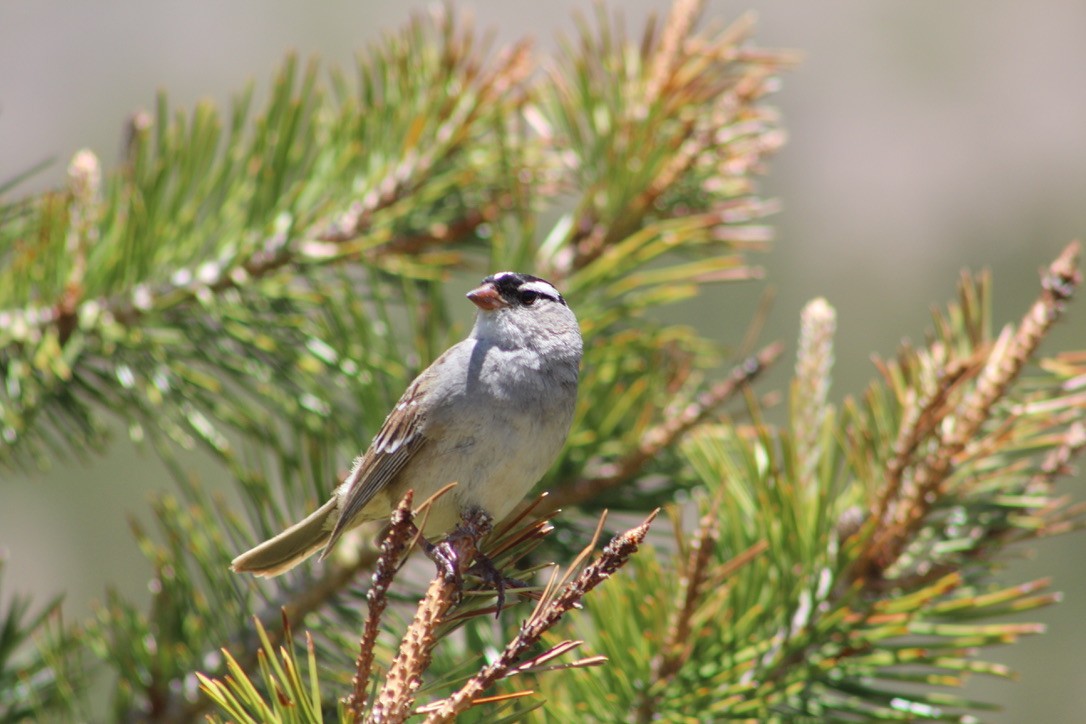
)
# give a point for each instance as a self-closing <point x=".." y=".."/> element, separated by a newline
<point x="490" y="414"/>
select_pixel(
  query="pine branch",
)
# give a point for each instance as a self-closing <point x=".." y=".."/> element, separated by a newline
<point x="697" y="574"/>
<point x="794" y="632"/>
<point x="1003" y="364"/>
<point x="396" y="697"/>
<point x="396" y="544"/>
<point x="548" y="612"/>
<point x="240" y="698"/>
<point x="730" y="213"/>
<point x="677" y="421"/>
<point x="243" y="235"/>
<point x="33" y="682"/>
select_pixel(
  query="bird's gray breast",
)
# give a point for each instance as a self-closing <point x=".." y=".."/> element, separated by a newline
<point x="500" y="427"/>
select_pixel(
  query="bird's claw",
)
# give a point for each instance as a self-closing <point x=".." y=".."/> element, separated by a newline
<point x="485" y="569"/>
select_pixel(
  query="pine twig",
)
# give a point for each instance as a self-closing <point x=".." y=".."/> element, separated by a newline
<point x="1005" y="361"/>
<point x="85" y="188"/>
<point x="667" y="59"/>
<point x="697" y="577"/>
<point x="395" y="546"/>
<point x="357" y="221"/>
<point x="1057" y="462"/>
<point x="274" y="254"/>
<point x="680" y="22"/>
<point x="396" y="698"/>
<point x="919" y="421"/>
<point x="308" y="599"/>
<point x="545" y="616"/>
<point x="667" y="660"/>
<point x="312" y="597"/>
<point x="676" y="424"/>
<point x="321" y="244"/>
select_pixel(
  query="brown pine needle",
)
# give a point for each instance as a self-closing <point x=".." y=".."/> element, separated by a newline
<point x="536" y="661"/>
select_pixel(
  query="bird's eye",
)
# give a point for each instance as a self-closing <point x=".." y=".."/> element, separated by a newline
<point x="527" y="297"/>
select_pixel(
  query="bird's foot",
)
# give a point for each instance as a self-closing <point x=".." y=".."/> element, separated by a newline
<point x="485" y="569"/>
<point x="461" y="545"/>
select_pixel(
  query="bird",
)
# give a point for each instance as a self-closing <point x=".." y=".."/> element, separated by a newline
<point x="491" y="414"/>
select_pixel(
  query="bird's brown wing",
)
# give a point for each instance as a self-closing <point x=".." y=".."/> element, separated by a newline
<point x="399" y="439"/>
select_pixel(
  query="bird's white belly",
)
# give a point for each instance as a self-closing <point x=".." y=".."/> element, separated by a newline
<point x="493" y="470"/>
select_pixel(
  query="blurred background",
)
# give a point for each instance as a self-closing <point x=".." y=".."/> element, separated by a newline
<point x="924" y="137"/>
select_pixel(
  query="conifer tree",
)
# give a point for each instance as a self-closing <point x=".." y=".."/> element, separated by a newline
<point x="262" y="284"/>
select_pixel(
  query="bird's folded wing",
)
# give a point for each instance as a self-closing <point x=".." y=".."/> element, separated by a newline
<point x="398" y="441"/>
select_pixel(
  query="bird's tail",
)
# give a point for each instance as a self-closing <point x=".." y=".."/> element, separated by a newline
<point x="289" y="548"/>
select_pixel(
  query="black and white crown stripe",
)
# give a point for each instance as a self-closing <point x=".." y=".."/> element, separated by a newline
<point x="514" y="286"/>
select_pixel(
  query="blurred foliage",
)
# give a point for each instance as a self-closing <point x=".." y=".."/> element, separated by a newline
<point x="262" y="285"/>
<point x="46" y="683"/>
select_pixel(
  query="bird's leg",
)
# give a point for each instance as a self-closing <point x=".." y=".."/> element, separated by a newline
<point x="447" y="559"/>
<point x="478" y="523"/>
<point x="460" y="545"/>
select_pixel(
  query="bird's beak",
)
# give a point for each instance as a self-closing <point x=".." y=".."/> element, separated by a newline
<point x="485" y="296"/>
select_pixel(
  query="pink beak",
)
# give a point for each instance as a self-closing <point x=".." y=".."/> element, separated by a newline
<point x="486" y="297"/>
